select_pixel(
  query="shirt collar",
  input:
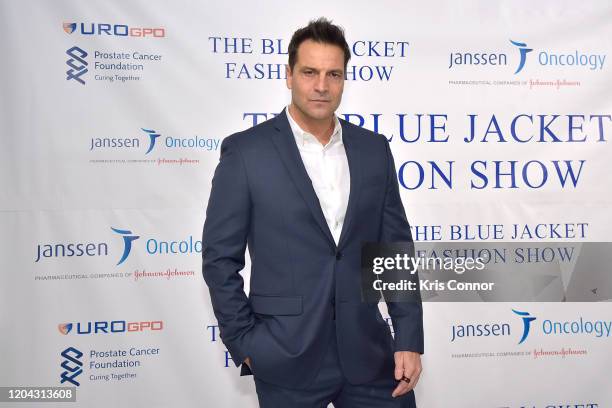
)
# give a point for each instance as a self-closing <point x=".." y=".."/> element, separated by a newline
<point x="301" y="136"/>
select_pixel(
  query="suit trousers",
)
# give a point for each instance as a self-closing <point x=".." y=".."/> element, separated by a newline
<point x="330" y="386"/>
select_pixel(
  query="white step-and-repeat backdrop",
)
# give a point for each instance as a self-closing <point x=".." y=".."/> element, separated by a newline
<point x="113" y="112"/>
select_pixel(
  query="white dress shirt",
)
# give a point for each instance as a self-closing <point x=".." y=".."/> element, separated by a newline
<point x="327" y="167"/>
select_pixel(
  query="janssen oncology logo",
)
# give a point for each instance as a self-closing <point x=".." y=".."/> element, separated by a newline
<point x="77" y="64"/>
<point x="116" y="30"/>
<point x="544" y="58"/>
<point x="548" y="327"/>
<point x="151" y="142"/>
<point x="127" y="243"/>
<point x="527" y="319"/>
<point x="80" y="249"/>
<point x="492" y="329"/>
<point x="109" y="327"/>
<point x="72" y="365"/>
<point x="153" y="246"/>
<point x="523" y="50"/>
<point x="153" y="135"/>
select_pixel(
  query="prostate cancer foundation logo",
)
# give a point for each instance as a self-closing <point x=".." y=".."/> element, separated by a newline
<point x="77" y="64"/>
<point x="72" y="365"/>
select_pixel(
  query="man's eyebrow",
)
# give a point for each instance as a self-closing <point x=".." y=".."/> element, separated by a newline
<point x="340" y="70"/>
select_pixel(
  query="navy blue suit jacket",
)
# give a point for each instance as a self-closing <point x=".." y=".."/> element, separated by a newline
<point x="302" y="283"/>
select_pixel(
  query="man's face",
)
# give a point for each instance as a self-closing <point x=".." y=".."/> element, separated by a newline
<point x="316" y="80"/>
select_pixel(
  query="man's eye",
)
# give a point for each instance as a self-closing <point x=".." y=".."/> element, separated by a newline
<point x="309" y="73"/>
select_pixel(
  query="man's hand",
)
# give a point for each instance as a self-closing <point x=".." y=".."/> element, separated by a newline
<point x="407" y="365"/>
<point x="247" y="361"/>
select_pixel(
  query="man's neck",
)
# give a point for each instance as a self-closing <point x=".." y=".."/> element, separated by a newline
<point x="321" y="129"/>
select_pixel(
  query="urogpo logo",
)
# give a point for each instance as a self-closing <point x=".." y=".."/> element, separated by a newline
<point x="72" y="365"/>
<point x="64" y="328"/>
<point x="77" y="64"/>
<point x="110" y="327"/>
<point x="118" y="30"/>
<point x="69" y="27"/>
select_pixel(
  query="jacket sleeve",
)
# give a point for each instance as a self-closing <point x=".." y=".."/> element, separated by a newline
<point x="223" y="246"/>
<point x="407" y="316"/>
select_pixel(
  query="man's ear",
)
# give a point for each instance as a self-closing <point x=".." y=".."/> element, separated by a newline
<point x="289" y="75"/>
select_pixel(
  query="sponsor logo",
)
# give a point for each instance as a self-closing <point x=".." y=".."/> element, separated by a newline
<point x="523" y="52"/>
<point x="153" y="246"/>
<point x="527" y="319"/>
<point x="64" y="328"/>
<point x="153" y="135"/>
<point x="579" y="326"/>
<point x="546" y="58"/>
<point x="108" y="65"/>
<point x="127" y="243"/>
<point x="72" y="365"/>
<point x="77" y="64"/>
<point x="90" y="249"/>
<point x="110" y="327"/>
<point x="69" y="27"/>
<point x="117" y="30"/>
<point x="480" y="330"/>
<point x="169" y="142"/>
<point x="71" y="249"/>
<point x="548" y="327"/>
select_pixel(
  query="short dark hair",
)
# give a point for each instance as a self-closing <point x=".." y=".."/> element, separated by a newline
<point x="322" y="31"/>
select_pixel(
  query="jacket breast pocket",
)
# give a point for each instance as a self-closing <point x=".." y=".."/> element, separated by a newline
<point x="276" y="305"/>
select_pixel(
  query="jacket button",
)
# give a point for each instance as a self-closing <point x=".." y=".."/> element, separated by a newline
<point x="338" y="255"/>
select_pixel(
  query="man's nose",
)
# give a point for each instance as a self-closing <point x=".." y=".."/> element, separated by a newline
<point x="321" y="85"/>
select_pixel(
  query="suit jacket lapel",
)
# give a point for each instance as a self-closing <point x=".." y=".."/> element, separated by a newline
<point x="285" y="143"/>
<point x="353" y="154"/>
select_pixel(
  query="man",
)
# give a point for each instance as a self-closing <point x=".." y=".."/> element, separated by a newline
<point x="305" y="190"/>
